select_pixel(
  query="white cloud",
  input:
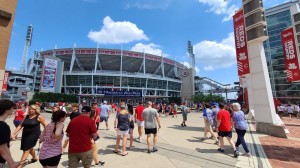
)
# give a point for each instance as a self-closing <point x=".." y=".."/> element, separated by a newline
<point x="150" y="48"/>
<point x="117" y="32"/>
<point x="189" y="66"/>
<point x="214" y="55"/>
<point x="148" y="4"/>
<point x="221" y="7"/>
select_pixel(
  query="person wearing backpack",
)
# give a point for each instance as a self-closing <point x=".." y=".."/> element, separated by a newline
<point x="208" y="121"/>
<point x="121" y="125"/>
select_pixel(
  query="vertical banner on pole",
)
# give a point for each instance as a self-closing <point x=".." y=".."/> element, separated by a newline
<point x="49" y="75"/>
<point x="4" y="86"/>
<point x="241" y="43"/>
<point x="290" y="55"/>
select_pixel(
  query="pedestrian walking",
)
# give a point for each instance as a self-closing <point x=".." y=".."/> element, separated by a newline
<point x="208" y="120"/>
<point x="121" y="125"/>
<point x="151" y="119"/>
<point x="31" y="133"/>
<point x="94" y="145"/>
<point x="290" y="111"/>
<point x="175" y="110"/>
<point x="80" y="132"/>
<point x="131" y="125"/>
<point x="240" y="125"/>
<point x="139" y="120"/>
<point x="184" y="111"/>
<point x="97" y="114"/>
<point x="215" y="109"/>
<point x="19" y="117"/>
<point x="74" y="113"/>
<point x="6" y="109"/>
<point x="51" y="139"/>
<point x="105" y="112"/>
<point x="224" y="129"/>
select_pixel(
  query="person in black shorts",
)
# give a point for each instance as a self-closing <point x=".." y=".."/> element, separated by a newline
<point x="151" y="118"/>
<point x="6" y="109"/>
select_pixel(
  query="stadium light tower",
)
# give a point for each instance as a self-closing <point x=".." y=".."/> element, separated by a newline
<point x="26" y="47"/>
<point x="191" y="55"/>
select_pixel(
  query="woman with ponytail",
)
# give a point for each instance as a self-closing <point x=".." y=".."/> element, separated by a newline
<point x="51" y="138"/>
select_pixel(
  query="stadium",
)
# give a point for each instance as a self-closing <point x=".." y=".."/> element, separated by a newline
<point x="97" y="74"/>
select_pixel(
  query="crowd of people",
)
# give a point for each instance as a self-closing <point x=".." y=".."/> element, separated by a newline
<point x="82" y="131"/>
<point x="289" y="109"/>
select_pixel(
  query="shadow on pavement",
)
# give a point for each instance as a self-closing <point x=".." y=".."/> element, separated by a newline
<point x="228" y="152"/>
<point x="187" y="128"/>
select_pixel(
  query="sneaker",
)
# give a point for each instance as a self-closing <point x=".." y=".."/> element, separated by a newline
<point x="149" y="151"/>
<point x="221" y="150"/>
<point x="246" y="154"/>
<point x="217" y="142"/>
<point x="236" y="153"/>
<point x="211" y="137"/>
<point x="204" y="138"/>
<point x="154" y="149"/>
<point x="182" y="125"/>
<point x="100" y="163"/>
<point x="140" y="140"/>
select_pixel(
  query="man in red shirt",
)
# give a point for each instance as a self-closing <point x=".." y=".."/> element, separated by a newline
<point x="97" y="114"/>
<point x="224" y="129"/>
<point x="138" y="119"/>
<point x="80" y="131"/>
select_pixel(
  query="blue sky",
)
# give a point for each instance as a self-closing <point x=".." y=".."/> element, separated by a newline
<point x="160" y="27"/>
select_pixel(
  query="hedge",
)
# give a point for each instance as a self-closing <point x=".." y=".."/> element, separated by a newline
<point x="53" y="97"/>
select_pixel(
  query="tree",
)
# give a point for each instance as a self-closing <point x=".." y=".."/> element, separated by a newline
<point x="207" y="98"/>
<point x="53" y="97"/>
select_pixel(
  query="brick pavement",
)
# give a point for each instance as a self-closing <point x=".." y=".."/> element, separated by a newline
<point x="281" y="152"/>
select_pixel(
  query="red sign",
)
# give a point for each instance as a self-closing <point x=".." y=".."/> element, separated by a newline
<point x="241" y="43"/>
<point x="290" y="55"/>
<point x="4" y="86"/>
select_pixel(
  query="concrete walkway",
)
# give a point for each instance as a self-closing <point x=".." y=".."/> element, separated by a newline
<point x="179" y="147"/>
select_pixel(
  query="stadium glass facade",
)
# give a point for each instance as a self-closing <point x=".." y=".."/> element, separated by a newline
<point x="279" y="18"/>
<point x="96" y="74"/>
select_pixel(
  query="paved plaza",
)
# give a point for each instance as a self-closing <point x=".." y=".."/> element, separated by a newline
<point x="179" y="147"/>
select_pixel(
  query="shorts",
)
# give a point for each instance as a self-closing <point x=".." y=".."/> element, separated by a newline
<point x="207" y="125"/>
<point x="53" y="161"/>
<point x="103" y="119"/>
<point x="85" y="157"/>
<point x="130" y="131"/>
<point x="184" y="116"/>
<point x="225" y="134"/>
<point x="17" y="122"/>
<point x="123" y="132"/>
<point x="150" y="131"/>
<point x="140" y="123"/>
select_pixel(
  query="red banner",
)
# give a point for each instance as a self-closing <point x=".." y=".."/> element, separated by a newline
<point x="241" y="43"/>
<point x="4" y="86"/>
<point x="290" y="55"/>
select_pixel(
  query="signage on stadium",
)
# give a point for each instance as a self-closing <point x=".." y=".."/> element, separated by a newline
<point x="120" y="93"/>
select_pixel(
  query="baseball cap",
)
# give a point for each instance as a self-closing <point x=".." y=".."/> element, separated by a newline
<point x="105" y="102"/>
<point x="86" y="109"/>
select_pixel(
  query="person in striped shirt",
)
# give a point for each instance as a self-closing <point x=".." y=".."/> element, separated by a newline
<point x="51" y="139"/>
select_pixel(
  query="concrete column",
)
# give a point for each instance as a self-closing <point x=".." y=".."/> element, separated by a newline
<point x="261" y="93"/>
